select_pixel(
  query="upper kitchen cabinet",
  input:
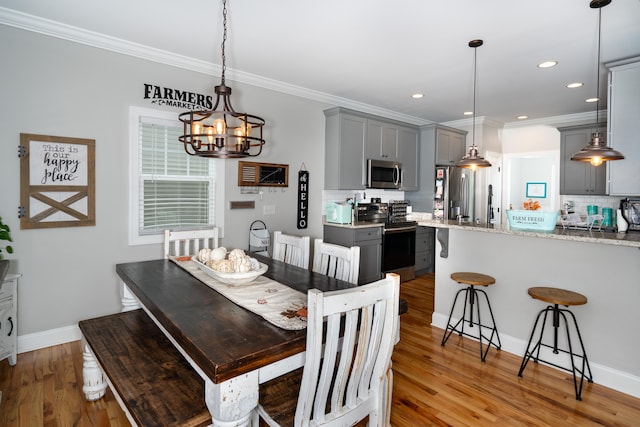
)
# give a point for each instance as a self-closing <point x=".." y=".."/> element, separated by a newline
<point x="382" y="141"/>
<point x="435" y="140"/>
<point x="580" y="178"/>
<point x="449" y="144"/>
<point x="353" y="137"/>
<point x="624" y="126"/>
<point x="408" y="139"/>
<point x="345" y="138"/>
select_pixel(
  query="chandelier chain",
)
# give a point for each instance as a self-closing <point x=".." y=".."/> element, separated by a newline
<point x="224" y="38"/>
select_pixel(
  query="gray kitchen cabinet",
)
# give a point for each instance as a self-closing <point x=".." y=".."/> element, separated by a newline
<point x="624" y="127"/>
<point x="580" y="178"/>
<point x="434" y="141"/>
<point x="382" y="141"/>
<point x="352" y="137"/>
<point x="425" y="250"/>
<point x="369" y="239"/>
<point x="450" y="145"/>
<point x="345" y="138"/>
<point x="408" y="140"/>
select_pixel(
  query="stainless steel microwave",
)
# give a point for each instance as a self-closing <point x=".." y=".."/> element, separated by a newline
<point x="384" y="174"/>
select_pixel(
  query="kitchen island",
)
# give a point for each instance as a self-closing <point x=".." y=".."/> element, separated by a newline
<point x="603" y="266"/>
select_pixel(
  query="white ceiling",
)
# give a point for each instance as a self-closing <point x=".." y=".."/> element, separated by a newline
<point x="379" y="52"/>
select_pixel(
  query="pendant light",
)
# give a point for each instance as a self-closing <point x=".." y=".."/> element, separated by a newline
<point x="222" y="133"/>
<point x="597" y="151"/>
<point x="472" y="160"/>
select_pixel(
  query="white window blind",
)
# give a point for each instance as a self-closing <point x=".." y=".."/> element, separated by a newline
<point x="176" y="191"/>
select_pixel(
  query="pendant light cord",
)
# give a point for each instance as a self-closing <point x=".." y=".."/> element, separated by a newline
<point x="598" y="70"/>
<point x="475" y="78"/>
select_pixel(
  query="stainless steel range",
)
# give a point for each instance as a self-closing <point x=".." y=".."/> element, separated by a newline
<point x="398" y="235"/>
<point x="399" y="242"/>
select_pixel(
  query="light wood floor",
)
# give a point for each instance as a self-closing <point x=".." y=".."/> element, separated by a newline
<point x="433" y="386"/>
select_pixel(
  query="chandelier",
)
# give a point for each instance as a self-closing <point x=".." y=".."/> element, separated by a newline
<point x="222" y="133"/>
<point x="473" y="160"/>
<point x="597" y="151"/>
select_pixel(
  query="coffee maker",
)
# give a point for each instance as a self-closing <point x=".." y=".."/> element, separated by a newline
<point x="630" y="212"/>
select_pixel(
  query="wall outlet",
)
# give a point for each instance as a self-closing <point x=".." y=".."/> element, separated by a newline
<point x="269" y="210"/>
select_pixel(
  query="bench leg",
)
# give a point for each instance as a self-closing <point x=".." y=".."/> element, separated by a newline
<point x="94" y="383"/>
<point x="232" y="402"/>
<point x="129" y="301"/>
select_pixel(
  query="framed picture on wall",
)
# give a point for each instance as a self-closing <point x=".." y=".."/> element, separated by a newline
<point x="537" y="190"/>
<point x="57" y="181"/>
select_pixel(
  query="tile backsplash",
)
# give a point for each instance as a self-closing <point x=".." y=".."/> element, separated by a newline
<point x="581" y="202"/>
<point x="362" y="196"/>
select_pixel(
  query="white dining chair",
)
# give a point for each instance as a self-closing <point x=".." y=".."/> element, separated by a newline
<point x="189" y="242"/>
<point x="347" y="372"/>
<point x="293" y="250"/>
<point x="337" y="261"/>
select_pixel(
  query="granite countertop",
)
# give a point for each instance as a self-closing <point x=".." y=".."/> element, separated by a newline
<point x="631" y="239"/>
<point x="357" y="224"/>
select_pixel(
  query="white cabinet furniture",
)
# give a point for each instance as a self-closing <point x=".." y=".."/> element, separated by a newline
<point x="9" y="318"/>
<point x="352" y="137"/>
<point x="624" y="126"/>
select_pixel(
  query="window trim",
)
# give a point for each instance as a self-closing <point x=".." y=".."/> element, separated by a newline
<point x="134" y="189"/>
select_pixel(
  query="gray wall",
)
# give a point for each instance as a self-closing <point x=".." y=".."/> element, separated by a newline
<point x="55" y="87"/>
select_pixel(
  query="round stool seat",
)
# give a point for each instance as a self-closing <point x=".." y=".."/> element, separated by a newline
<point x="475" y="279"/>
<point x="557" y="296"/>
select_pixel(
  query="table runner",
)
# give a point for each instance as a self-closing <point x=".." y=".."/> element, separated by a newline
<point x="276" y="303"/>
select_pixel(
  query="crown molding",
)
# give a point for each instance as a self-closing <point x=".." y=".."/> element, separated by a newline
<point x="62" y="31"/>
<point x="566" y="120"/>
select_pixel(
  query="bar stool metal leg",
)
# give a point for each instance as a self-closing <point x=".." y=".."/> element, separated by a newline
<point x="471" y="300"/>
<point x="534" y="352"/>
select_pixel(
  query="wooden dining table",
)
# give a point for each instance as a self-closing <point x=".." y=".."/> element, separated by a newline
<point x="231" y="348"/>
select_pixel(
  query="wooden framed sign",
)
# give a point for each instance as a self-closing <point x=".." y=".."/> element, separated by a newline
<point x="57" y="181"/>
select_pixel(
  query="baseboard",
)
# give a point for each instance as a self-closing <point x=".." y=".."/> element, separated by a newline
<point x="603" y="375"/>
<point x="48" y="338"/>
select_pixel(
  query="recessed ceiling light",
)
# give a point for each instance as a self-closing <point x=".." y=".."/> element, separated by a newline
<point x="547" y="64"/>
<point x="592" y="100"/>
<point x="575" y="85"/>
<point x="417" y="95"/>
<point x="522" y="117"/>
<point x="468" y="113"/>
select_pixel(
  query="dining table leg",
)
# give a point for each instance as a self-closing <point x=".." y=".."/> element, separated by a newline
<point x="232" y="402"/>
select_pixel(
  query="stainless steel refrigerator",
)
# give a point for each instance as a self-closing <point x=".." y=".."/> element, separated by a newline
<point x="454" y="194"/>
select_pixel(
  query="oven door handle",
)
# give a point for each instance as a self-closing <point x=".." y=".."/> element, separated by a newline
<point x="398" y="230"/>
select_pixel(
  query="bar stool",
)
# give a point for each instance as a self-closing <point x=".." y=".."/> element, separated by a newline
<point x="558" y="297"/>
<point x="471" y="299"/>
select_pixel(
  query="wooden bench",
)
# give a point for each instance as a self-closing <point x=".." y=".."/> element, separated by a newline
<point x="153" y="381"/>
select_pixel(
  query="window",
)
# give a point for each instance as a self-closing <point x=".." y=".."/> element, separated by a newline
<point x="169" y="189"/>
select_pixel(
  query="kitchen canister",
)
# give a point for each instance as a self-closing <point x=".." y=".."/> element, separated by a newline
<point x="607" y="217"/>
<point x="592" y="210"/>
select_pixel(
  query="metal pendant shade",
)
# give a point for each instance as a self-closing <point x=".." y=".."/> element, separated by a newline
<point x="597" y="151"/>
<point x="222" y="133"/>
<point x="472" y="160"/>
